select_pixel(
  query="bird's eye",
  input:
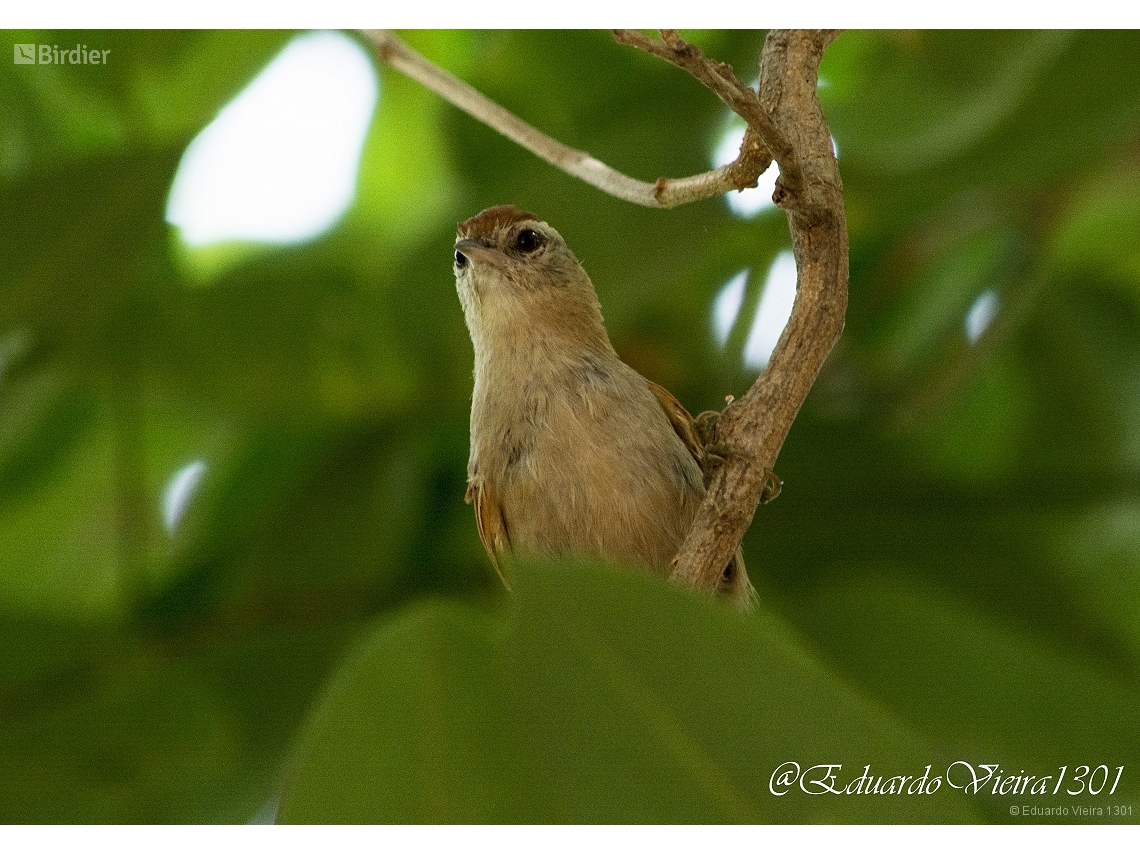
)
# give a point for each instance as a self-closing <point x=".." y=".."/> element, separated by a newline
<point x="528" y="240"/>
<point x="460" y="260"/>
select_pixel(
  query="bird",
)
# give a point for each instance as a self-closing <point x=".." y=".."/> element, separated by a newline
<point x="573" y="452"/>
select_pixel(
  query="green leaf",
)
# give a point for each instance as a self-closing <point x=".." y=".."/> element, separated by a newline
<point x="105" y="727"/>
<point x="604" y="696"/>
<point x="985" y="688"/>
<point x="928" y="106"/>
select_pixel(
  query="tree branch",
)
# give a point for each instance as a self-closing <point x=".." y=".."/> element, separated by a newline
<point x="757" y="424"/>
<point x="664" y="193"/>
<point x="720" y="79"/>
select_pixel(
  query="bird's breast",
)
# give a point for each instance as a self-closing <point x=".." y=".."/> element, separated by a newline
<point x="586" y="463"/>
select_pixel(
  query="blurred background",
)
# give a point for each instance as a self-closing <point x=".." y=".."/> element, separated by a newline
<point x="235" y="560"/>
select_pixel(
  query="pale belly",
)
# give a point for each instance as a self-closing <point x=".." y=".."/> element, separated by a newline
<point x="631" y="501"/>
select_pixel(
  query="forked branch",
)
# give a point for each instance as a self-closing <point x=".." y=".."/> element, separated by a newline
<point x="740" y="98"/>
<point x="756" y="424"/>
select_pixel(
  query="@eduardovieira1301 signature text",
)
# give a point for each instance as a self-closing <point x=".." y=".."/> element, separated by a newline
<point x="988" y="778"/>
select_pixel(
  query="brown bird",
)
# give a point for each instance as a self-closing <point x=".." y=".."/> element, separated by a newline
<point x="572" y="451"/>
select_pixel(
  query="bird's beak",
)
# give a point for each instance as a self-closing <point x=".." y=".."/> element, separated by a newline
<point x="479" y="252"/>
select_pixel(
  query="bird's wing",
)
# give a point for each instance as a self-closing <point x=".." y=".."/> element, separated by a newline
<point x="492" y="526"/>
<point x="680" y="419"/>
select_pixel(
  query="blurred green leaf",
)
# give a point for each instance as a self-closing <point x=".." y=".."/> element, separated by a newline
<point x="1102" y="230"/>
<point x="937" y="105"/>
<point x="607" y="697"/>
<point x="978" y="687"/>
<point x="121" y="734"/>
<point x="1099" y="551"/>
<point x="918" y="325"/>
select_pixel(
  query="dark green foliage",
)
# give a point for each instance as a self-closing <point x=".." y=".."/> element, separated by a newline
<point x="952" y="571"/>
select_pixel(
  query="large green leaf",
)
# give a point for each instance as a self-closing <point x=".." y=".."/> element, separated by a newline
<point x="976" y="685"/>
<point x="604" y="696"/>
<point x="102" y="728"/>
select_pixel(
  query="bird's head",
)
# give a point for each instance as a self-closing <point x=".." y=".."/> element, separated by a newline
<point x="516" y="276"/>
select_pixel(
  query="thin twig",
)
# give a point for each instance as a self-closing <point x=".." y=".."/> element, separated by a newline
<point x="663" y="193"/>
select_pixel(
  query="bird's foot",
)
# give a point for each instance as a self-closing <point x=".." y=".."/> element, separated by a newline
<point x="717" y="453"/>
<point x="705" y="426"/>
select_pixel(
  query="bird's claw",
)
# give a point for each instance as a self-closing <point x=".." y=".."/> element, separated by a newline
<point x="772" y="487"/>
<point x="705" y="426"/>
<point x="715" y="455"/>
